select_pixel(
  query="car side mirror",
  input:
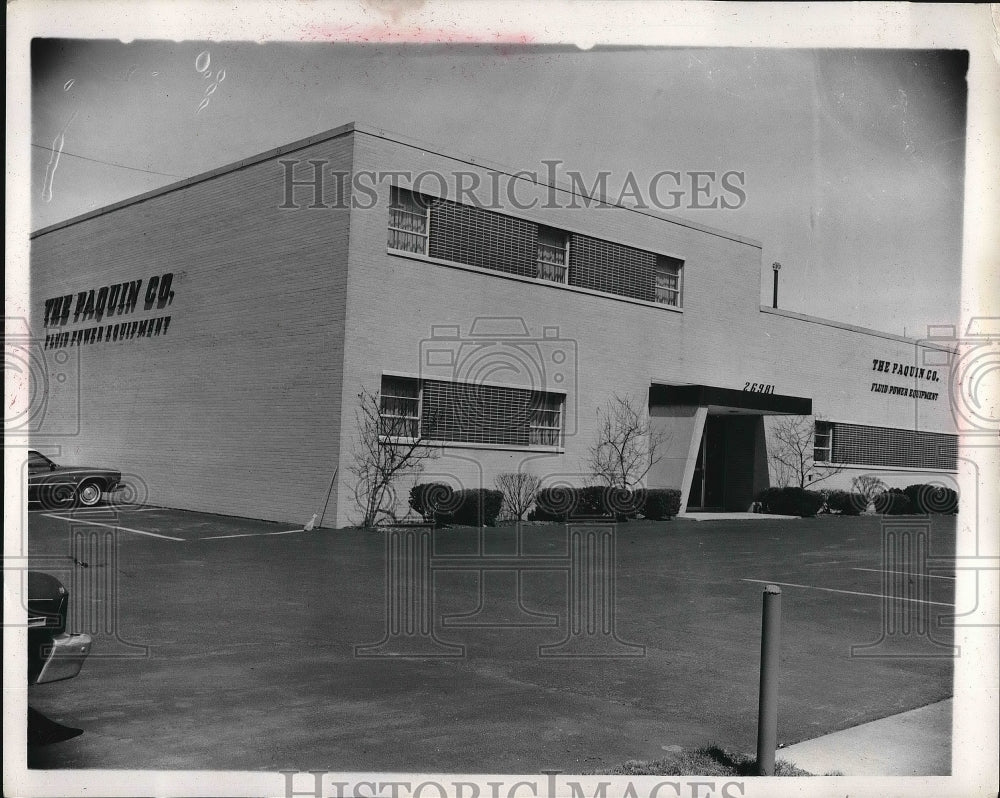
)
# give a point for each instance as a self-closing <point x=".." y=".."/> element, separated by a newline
<point x="52" y="466"/>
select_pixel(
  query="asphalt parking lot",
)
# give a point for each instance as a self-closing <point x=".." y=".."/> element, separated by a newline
<point x="231" y="644"/>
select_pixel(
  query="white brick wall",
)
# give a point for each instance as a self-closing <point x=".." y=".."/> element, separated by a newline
<point x="236" y="409"/>
<point x="247" y="405"/>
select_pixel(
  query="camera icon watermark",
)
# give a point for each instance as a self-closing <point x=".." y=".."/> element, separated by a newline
<point x="91" y="575"/>
<point x="584" y="625"/>
<point x="45" y="383"/>
<point x="916" y="583"/>
<point x="972" y="365"/>
<point x="502" y="381"/>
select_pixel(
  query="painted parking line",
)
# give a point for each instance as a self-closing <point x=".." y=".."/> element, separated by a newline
<point x="122" y="509"/>
<point x="908" y="573"/>
<point x="252" y="535"/>
<point x="107" y="510"/>
<point x="849" y="592"/>
<point x="98" y="510"/>
<point x="111" y="526"/>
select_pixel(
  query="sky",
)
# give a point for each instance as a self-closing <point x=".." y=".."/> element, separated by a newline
<point x="852" y="160"/>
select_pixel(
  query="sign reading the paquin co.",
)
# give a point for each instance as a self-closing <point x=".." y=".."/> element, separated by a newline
<point x="120" y="299"/>
<point x="902" y="370"/>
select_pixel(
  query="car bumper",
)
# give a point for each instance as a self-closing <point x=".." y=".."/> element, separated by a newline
<point x="65" y="658"/>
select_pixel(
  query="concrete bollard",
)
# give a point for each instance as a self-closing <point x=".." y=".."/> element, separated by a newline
<point x="770" y="648"/>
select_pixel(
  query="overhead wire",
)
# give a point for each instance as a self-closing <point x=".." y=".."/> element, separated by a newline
<point x="107" y="163"/>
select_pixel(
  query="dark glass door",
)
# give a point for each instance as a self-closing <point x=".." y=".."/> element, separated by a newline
<point x="708" y="482"/>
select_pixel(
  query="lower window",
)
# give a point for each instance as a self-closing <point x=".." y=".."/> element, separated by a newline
<point x="857" y="444"/>
<point x="469" y="413"/>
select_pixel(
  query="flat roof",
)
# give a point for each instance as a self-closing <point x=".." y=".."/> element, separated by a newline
<point x="855" y="328"/>
<point x="356" y="127"/>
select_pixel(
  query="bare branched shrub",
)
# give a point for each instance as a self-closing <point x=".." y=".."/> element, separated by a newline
<point x="386" y="449"/>
<point x="791" y="453"/>
<point x="518" y="492"/>
<point x="625" y="447"/>
<point x="869" y="487"/>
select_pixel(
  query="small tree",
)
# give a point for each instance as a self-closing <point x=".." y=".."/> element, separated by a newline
<point x="625" y="447"/>
<point x="792" y="453"/>
<point x="518" y="492"/>
<point x="386" y="448"/>
<point x="870" y="488"/>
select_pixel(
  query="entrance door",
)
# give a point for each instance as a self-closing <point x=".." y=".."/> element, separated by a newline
<point x="708" y="483"/>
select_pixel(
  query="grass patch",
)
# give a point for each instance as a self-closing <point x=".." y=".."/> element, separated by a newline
<point x="708" y="761"/>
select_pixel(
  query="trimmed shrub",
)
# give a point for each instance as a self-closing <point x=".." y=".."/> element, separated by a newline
<point x="845" y="502"/>
<point x="554" y="504"/>
<point x="566" y="502"/>
<point x="474" y="507"/>
<point x="624" y="504"/>
<point x="660" y="503"/>
<point x="605" y="501"/>
<point x="893" y="502"/>
<point x="931" y="499"/>
<point x="790" y="501"/>
<point x="590" y="502"/>
<point x="432" y="499"/>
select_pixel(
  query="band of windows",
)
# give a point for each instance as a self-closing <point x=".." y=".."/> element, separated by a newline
<point x="503" y="243"/>
<point x="856" y="444"/>
<point x="438" y="410"/>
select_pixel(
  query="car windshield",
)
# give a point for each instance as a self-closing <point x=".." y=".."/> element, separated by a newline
<point x="37" y="459"/>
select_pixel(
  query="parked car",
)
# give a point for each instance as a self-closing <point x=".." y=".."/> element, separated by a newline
<point x="58" y="486"/>
<point x="53" y="654"/>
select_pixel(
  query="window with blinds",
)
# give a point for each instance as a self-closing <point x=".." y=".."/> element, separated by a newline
<point x="668" y="280"/>
<point x="553" y="255"/>
<point x="409" y="220"/>
<point x="399" y="408"/>
<point x="823" y="442"/>
<point x="545" y="426"/>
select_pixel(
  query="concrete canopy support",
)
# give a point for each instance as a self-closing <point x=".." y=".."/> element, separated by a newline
<point x="682" y="428"/>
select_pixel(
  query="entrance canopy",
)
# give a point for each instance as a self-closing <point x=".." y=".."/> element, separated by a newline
<point x="728" y="399"/>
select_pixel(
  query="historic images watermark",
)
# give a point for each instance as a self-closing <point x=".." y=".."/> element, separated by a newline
<point x="498" y="353"/>
<point x="313" y="184"/>
<point x="973" y="360"/>
<point x="91" y="574"/>
<point x="515" y="385"/>
<point x="323" y="784"/>
<point x="588" y="622"/>
<point x="40" y="379"/>
<point x="917" y="580"/>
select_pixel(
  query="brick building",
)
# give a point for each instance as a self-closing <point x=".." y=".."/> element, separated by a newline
<point x="211" y="337"/>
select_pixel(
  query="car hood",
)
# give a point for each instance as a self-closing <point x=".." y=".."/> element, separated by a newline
<point x="82" y="469"/>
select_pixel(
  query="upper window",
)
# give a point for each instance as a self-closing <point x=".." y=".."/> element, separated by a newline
<point x="823" y="442"/>
<point x="399" y="408"/>
<point x="669" y="273"/>
<point x="552" y="260"/>
<point x="408" y="221"/>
